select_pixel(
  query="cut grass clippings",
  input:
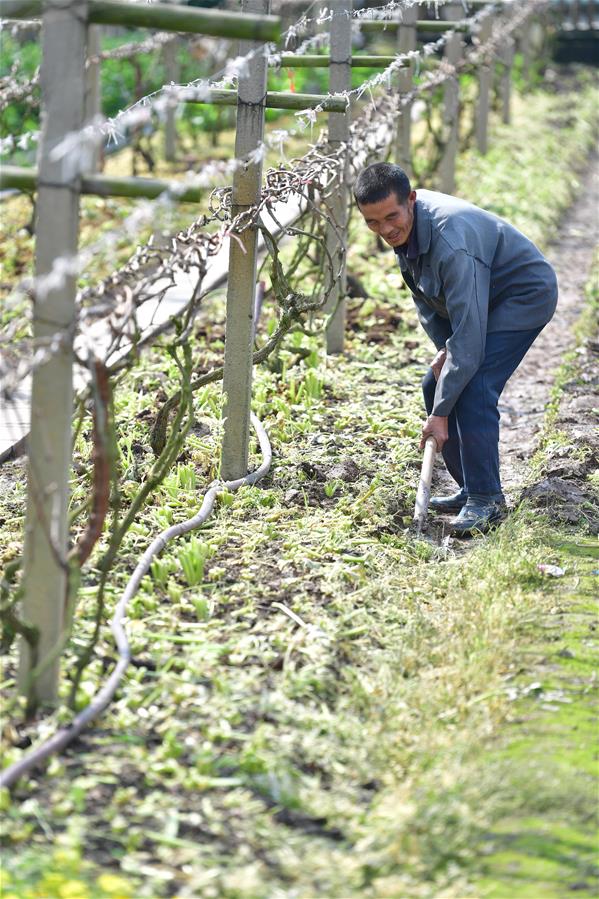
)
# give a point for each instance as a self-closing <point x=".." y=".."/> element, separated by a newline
<point x="545" y="841"/>
<point x="364" y="752"/>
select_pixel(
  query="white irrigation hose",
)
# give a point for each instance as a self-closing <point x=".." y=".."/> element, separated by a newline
<point x="103" y="697"/>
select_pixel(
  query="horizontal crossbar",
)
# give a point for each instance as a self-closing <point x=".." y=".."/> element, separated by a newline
<point x="273" y="100"/>
<point x="323" y="61"/>
<point x="162" y="17"/>
<point x="426" y="25"/>
<point x="25" y="179"/>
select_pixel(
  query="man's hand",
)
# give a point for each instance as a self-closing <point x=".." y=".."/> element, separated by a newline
<point x="438" y="363"/>
<point x="435" y="426"/>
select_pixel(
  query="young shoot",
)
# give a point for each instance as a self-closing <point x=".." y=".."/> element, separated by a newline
<point x="192" y="560"/>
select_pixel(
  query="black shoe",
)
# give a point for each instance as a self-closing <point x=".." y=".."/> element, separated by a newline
<point x="452" y="503"/>
<point x="479" y="514"/>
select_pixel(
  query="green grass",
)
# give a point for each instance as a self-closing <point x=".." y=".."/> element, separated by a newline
<point x="545" y="842"/>
<point x="366" y="751"/>
<point x="545" y="839"/>
<point x="512" y="180"/>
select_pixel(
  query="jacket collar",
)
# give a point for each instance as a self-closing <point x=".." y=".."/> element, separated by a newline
<point x="423" y="227"/>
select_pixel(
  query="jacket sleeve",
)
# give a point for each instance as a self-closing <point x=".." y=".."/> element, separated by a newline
<point x="466" y="286"/>
<point x="437" y="328"/>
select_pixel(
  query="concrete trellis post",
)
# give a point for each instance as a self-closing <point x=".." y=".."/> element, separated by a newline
<point x="485" y="77"/>
<point x="451" y="117"/>
<point x="525" y="51"/>
<point x="542" y="50"/>
<point x="591" y="11"/>
<point x="337" y="207"/>
<point x="237" y="382"/>
<point x="405" y="43"/>
<point x="505" y="85"/>
<point x="93" y="88"/>
<point x="45" y="574"/>
<point x="317" y="11"/>
<point x="290" y="12"/>
<point x="171" y="70"/>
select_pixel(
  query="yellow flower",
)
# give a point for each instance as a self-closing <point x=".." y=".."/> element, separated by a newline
<point x="114" y="885"/>
<point x="73" y="889"/>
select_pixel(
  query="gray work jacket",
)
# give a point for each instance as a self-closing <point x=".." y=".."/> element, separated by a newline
<point x="474" y="274"/>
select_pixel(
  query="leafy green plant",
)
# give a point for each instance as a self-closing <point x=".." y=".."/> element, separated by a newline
<point x="161" y="570"/>
<point x="192" y="560"/>
<point x="201" y="605"/>
<point x="332" y="694"/>
<point x="331" y="488"/>
<point x="313" y="385"/>
<point x="186" y="477"/>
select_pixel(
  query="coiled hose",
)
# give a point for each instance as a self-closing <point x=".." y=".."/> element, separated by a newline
<point x="104" y="696"/>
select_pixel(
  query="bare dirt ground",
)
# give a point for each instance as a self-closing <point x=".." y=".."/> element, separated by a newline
<point x="525" y="397"/>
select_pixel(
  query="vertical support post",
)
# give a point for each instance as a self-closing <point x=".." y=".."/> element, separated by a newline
<point x="451" y="117"/>
<point x="542" y="51"/>
<point x="506" y="81"/>
<point x="557" y="12"/>
<point x="485" y="75"/>
<point x="405" y="43"/>
<point x="93" y="90"/>
<point x="290" y="13"/>
<point x="241" y="289"/>
<point x="338" y="205"/>
<point x="171" y="69"/>
<point x="314" y="11"/>
<point x="525" y="51"/>
<point x="45" y="570"/>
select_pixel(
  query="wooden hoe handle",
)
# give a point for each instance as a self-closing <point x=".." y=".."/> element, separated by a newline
<point x="424" y="487"/>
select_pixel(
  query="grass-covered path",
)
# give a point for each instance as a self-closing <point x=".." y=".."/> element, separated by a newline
<point x="420" y="725"/>
<point x="546" y="843"/>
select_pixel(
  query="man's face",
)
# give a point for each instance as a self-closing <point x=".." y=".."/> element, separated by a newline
<point x="390" y="219"/>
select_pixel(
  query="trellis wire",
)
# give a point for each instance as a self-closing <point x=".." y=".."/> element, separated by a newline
<point x="139" y="112"/>
<point x="193" y="248"/>
<point x="223" y="170"/>
<point x="215" y="242"/>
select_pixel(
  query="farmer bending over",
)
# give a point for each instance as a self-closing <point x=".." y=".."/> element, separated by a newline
<point x="483" y="293"/>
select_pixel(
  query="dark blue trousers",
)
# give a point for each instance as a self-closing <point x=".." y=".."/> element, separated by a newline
<point x="471" y="453"/>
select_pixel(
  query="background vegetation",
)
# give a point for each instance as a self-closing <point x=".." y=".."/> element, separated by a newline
<point x="370" y="730"/>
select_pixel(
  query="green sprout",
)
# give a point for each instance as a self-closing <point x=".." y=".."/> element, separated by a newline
<point x="192" y="560"/>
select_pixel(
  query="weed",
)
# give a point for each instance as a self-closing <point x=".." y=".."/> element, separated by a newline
<point x="192" y="559"/>
<point x="331" y="488"/>
<point x="161" y="570"/>
<point x="330" y="689"/>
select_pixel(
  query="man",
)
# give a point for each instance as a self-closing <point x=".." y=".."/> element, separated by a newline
<point x="483" y="292"/>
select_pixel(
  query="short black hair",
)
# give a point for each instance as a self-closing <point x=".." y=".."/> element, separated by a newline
<point x="380" y="179"/>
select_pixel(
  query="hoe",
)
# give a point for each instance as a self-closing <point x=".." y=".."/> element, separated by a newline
<point x="424" y="487"/>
